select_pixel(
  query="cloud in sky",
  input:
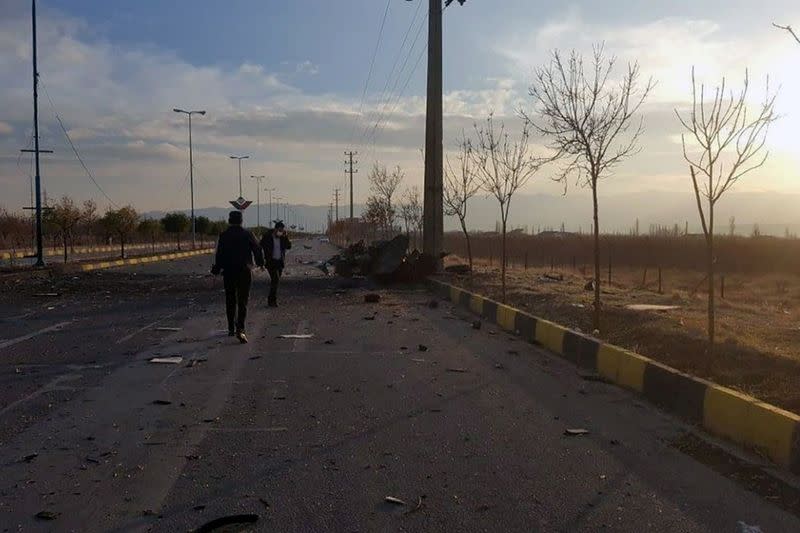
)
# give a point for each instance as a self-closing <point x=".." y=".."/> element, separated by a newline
<point x="116" y="101"/>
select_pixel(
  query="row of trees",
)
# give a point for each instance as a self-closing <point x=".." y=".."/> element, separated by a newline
<point x="586" y="113"/>
<point x="384" y="211"/>
<point x="68" y="223"/>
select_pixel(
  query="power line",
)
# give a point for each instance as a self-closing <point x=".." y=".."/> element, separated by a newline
<point x="371" y="66"/>
<point x="74" y="149"/>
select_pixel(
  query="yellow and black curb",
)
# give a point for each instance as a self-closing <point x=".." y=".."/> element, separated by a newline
<point x="724" y="412"/>
<point x="88" y="267"/>
<point x="55" y="252"/>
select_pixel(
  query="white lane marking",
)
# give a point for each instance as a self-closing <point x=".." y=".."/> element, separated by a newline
<point x="300" y="344"/>
<point x="148" y="326"/>
<point x="12" y="342"/>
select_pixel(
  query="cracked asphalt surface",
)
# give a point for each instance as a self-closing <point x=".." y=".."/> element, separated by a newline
<point x="397" y="399"/>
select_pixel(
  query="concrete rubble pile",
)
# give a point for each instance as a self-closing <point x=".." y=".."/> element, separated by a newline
<point x="385" y="261"/>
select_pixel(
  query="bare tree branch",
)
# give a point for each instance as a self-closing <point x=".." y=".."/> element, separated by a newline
<point x="789" y="29"/>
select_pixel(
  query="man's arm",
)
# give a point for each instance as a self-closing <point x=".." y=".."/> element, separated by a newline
<point x="256" y="249"/>
<point x="287" y="243"/>
<point x="218" y="257"/>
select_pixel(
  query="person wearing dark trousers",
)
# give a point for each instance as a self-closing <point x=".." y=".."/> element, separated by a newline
<point x="275" y="242"/>
<point x="236" y="250"/>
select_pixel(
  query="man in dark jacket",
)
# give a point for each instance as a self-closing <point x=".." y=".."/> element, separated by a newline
<point x="235" y="252"/>
<point x="275" y="242"/>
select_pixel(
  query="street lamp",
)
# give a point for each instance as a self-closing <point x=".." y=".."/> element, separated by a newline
<point x="270" y="190"/>
<point x="258" y="199"/>
<point x="239" y="158"/>
<point x="191" y="164"/>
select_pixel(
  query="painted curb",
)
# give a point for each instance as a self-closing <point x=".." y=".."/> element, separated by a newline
<point x="724" y="412"/>
<point x="50" y="252"/>
<point x="142" y="260"/>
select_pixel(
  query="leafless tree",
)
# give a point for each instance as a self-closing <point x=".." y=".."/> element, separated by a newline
<point x="383" y="185"/>
<point x="725" y="142"/>
<point x="64" y="217"/>
<point x="790" y="30"/>
<point x="460" y="185"/>
<point x="503" y="167"/>
<point x="588" y="120"/>
<point x="411" y="212"/>
<point x="732" y="226"/>
<point x="122" y="222"/>
<point x="377" y="214"/>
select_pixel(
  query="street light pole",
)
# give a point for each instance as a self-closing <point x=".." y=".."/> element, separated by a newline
<point x="191" y="164"/>
<point x="270" y="203"/>
<point x="239" y="158"/>
<point x="258" y="199"/>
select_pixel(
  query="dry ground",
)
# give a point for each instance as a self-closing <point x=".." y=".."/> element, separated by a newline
<point x="757" y="328"/>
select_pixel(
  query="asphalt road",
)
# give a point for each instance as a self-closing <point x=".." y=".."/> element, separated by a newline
<point x="396" y="399"/>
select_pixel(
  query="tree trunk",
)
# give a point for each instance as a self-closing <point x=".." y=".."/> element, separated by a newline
<point x="66" y="240"/>
<point x="596" y="315"/>
<point x="122" y="245"/>
<point x="503" y="265"/>
<point x="179" y="241"/>
<point x="469" y="244"/>
<point x="711" y="287"/>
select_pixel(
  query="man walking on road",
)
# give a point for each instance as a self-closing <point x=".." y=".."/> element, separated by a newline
<point x="235" y="252"/>
<point x="275" y="242"/>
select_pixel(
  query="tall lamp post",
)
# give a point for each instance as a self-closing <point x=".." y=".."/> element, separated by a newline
<point x="239" y="158"/>
<point x="258" y="199"/>
<point x="270" y="190"/>
<point x="191" y="164"/>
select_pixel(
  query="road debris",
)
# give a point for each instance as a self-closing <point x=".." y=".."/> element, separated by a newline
<point x="396" y="501"/>
<point x="418" y="360"/>
<point x="167" y="360"/>
<point x="165" y="328"/>
<point x="372" y="298"/>
<point x="162" y="402"/>
<point x="30" y="457"/>
<point x="255" y="357"/>
<point x="422" y="348"/>
<point x="476" y="324"/>
<point x="457" y="370"/>
<point x="224" y="521"/>
<point x="47" y="515"/>
<point x="741" y="527"/>
<point x="297" y="336"/>
<point x="576" y="432"/>
<point x="329" y="342"/>
<point x="595" y="377"/>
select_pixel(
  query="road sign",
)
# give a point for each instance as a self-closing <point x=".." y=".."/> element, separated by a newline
<point x="241" y="204"/>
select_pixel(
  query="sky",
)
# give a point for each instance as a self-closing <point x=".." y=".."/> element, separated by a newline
<point x="287" y="83"/>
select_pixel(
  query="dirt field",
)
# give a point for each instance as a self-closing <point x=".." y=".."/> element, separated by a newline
<point x="757" y="326"/>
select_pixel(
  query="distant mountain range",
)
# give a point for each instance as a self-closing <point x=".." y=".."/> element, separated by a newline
<point x="773" y="212"/>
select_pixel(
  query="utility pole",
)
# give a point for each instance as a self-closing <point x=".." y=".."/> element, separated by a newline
<point x="351" y="172"/>
<point x="336" y="194"/>
<point x="433" y="214"/>
<point x="191" y="164"/>
<point x="258" y="200"/>
<point x="36" y="151"/>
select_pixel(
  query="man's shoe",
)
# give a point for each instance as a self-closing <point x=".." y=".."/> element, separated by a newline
<point x="231" y="333"/>
<point x="242" y="337"/>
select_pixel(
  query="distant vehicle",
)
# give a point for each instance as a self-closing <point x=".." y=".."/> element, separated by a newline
<point x="324" y="239"/>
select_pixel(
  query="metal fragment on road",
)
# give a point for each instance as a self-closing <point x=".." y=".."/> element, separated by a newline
<point x="30" y="457"/>
<point x="458" y="370"/>
<point x="47" y="515"/>
<point x="167" y="360"/>
<point x="396" y="501"/>
<point x="576" y="432"/>
<point x="297" y="336"/>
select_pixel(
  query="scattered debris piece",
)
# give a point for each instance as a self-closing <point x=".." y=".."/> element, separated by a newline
<point x="576" y="432"/>
<point x="418" y="360"/>
<point x="47" y="294"/>
<point x="741" y="527"/>
<point x="307" y="246"/>
<point x="422" y="348"/>
<point x="458" y="370"/>
<point x="372" y="298"/>
<point x="162" y="402"/>
<point x="264" y="502"/>
<point x="255" y="357"/>
<point x="199" y="507"/>
<point x="30" y="457"/>
<point x="589" y="285"/>
<point x="595" y="377"/>
<point x="297" y="336"/>
<point x="329" y="342"/>
<point x="476" y="324"/>
<point x="224" y="521"/>
<point x="417" y="508"/>
<point x="396" y="501"/>
<point x="192" y="457"/>
<point x="370" y="317"/>
<point x="279" y="397"/>
<point x="47" y="515"/>
<point x="165" y="328"/>
<point x="513" y="352"/>
<point x="167" y="360"/>
<point x="499" y="366"/>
